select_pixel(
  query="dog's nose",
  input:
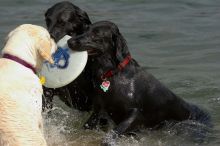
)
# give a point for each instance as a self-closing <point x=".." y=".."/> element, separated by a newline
<point x="72" y="43"/>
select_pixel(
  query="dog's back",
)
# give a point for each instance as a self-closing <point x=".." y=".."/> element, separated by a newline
<point x="20" y="89"/>
<point x="20" y="105"/>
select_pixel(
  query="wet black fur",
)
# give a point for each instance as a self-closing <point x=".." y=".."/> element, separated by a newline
<point x="64" y="18"/>
<point x="135" y="97"/>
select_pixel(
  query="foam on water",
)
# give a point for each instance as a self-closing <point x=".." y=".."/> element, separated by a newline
<point x="63" y="127"/>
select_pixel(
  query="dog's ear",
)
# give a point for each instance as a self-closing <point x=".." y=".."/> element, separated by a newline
<point x="120" y="45"/>
<point x="84" y="18"/>
<point x="46" y="47"/>
<point x="11" y="33"/>
<point x="46" y="13"/>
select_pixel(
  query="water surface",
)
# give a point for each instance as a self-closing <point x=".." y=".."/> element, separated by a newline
<point x="178" y="41"/>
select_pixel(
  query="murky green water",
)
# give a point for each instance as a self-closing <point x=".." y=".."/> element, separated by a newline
<point x="176" y="40"/>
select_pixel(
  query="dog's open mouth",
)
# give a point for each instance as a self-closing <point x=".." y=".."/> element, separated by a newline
<point x="91" y="50"/>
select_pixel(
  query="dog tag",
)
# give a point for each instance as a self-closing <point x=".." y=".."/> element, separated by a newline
<point x="42" y="80"/>
<point x="105" y="85"/>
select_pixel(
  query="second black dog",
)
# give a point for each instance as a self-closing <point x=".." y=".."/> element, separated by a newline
<point x="131" y="96"/>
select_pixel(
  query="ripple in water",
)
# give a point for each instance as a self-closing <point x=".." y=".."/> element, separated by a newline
<point x="63" y="127"/>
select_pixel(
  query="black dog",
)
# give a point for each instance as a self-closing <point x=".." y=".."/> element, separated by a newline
<point x="131" y="96"/>
<point x="64" y="18"/>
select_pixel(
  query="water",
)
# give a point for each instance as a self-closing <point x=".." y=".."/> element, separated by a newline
<point x="178" y="41"/>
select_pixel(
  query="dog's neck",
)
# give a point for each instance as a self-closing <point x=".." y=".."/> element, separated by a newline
<point x="101" y="71"/>
<point x="23" y="48"/>
<point x="119" y="68"/>
<point x="19" y="60"/>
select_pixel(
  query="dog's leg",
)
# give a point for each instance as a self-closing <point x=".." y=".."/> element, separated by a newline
<point x="47" y="98"/>
<point x="123" y="127"/>
<point x="49" y="93"/>
<point x="64" y="95"/>
<point x="93" y="121"/>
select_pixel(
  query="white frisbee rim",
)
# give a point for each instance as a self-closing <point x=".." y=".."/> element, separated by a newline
<point x="55" y="77"/>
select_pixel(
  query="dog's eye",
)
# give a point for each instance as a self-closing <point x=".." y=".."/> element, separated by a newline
<point x="93" y="36"/>
<point x="61" y="23"/>
<point x="95" y="39"/>
<point x="70" y="33"/>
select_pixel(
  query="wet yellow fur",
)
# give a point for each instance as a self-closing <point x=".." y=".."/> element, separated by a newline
<point x="20" y="89"/>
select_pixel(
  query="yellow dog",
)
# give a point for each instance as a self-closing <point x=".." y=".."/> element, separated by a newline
<point x="26" y="48"/>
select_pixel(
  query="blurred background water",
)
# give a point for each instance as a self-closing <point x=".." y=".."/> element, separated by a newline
<point x="178" y="41"/>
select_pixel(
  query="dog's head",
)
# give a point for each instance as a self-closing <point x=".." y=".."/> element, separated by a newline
<point x="31" y="43"/>
<point x="102" y="39"/>
<point x="64" y="18"/>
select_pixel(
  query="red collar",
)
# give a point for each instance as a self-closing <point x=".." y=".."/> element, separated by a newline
<point x="19" y="60"/>
<point x="120" y="67"/>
